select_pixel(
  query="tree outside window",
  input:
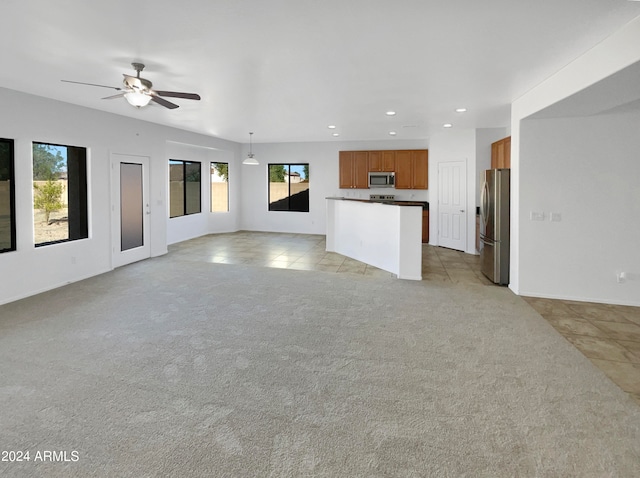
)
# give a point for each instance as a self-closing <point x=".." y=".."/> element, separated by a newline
<point x="289" y="187"/>
<point x="184" y="187"/>
<point x="219" y="187"/>
<point x="59" y="193"/>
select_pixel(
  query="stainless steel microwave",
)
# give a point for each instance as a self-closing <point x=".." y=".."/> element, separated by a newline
<point x="382" y="180"/>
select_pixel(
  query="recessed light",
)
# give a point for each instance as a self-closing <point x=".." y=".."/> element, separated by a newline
<point x="336" y="134"/>
<point x="392" y="133"/>
<point x="447" y="125"/>
<point x="390" y="113"/>
<point x="461" y="110"/>
<point x="331" y="126"/>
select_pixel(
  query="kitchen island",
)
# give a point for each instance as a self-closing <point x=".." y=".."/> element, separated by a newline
<point x="387" y="235"/>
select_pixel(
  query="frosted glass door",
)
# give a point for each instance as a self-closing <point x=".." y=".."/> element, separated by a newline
<point x="131" y="211"/>
<point x="131" y="206"/>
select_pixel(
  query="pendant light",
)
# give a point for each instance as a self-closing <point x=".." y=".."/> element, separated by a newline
<point x="250" y="159"/>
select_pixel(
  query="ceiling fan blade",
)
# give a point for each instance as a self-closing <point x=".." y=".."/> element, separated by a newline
<point x="163" y="102"/>
<point x="119" y="95"/>
<point x="176" y="94"/>
<point x="92" y="84"/>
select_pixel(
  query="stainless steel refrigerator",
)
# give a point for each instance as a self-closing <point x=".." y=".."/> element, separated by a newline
<point x="494" y="225"/>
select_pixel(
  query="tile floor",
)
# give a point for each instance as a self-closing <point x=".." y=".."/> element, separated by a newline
<point x="607" y="335"/>
<point x="308" y="252"/>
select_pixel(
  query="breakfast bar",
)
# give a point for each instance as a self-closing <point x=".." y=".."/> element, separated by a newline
<point x="387" y="235"/>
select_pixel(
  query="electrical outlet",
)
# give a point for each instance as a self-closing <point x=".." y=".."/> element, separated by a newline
<point x="622" y="277"/>
<point x="536" y="216"/>
<point x="555" y="217"/>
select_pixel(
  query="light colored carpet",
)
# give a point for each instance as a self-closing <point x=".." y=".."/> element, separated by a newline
<point x="170" y="368"/>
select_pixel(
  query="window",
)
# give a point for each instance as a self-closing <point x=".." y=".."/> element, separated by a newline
<point x="289" y="187"/>
<point x="59" y="193"/>
<point x="7" y="197"/>
<point x="219" y="187"/>
<point x="184" y="188"/>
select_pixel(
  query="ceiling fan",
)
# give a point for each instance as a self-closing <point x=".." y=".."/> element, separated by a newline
<point x="138" y="92"/>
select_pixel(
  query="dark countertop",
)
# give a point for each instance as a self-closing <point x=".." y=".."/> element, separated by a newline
<point x="423" y="204"/>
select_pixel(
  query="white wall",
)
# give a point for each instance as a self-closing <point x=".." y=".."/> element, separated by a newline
<point x="453" y="145"/>
<point x="617" y="52"/>
<point x="323" y="182"/>
<point x="27" y="118"/>
<point x="587" y="170"/>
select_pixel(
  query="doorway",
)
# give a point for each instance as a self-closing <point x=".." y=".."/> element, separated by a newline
<point x="452" y="205"/>
<point x="130" y="207"/>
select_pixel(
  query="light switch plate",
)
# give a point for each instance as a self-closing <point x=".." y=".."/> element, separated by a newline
<point x="536" y="216"/>
<point x="556" y="217"/>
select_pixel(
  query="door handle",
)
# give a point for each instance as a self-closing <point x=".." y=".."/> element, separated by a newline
<point x="461" y="210"/>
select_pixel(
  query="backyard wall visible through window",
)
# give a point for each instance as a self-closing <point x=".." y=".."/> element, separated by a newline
<point x="289" y="187"/>
<point x="219" y="187"/>
<point x="59" y="193"/>
<point x="184" y="188"/>
<point x="7" y="197"/>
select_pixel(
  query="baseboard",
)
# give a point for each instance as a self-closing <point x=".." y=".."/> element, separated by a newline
<point x="55" y="286"/>
<point x="596" y="300"/>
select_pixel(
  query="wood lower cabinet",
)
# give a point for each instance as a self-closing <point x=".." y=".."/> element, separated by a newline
<point x="501" y="154"/>
<point x="412" y="169"/>
<point x="354" y="170"/>
<point x="425" y="226"/>
<point x="384" y="161"/>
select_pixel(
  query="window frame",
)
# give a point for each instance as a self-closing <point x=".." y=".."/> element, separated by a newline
<point x="288" y="166"/>
<point x="185" y="163"/>
<point x="12" y="196"/>
<point x="78" y="227"/>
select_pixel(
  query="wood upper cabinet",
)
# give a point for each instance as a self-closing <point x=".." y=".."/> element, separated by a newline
<point x="412" y="169"/>
<point x="403" y="170"/>
<point x="354" y="170"/>
<point x="507" y="152"/>
<point x="420" y="164"/>
<point x="501" y="154"/>
<point x="382" y="161"/>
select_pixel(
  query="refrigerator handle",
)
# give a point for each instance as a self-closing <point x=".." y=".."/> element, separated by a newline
<point x="488" y="241"/>
<point x="484" y="205"/>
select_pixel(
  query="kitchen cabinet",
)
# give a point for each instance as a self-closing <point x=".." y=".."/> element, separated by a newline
<point x="425" y="226"/>
<point x="384" y="161"/>
<point x="354" y="170"/>
<point x="501" y="154"/>
<point x="412" y="169"/>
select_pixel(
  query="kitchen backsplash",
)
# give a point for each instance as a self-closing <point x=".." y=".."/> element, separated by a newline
<point x="400" y="194"/>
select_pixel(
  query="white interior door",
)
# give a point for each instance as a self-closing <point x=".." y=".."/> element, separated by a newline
<point x="452" y="204"/>
<point x="130" y="208"/>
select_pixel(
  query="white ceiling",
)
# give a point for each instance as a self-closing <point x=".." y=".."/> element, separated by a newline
<point x="286" y="69"/>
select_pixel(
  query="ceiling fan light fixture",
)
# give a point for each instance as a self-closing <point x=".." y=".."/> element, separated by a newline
<point x="137" y="99"/>
<point x="250" y="159"/>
